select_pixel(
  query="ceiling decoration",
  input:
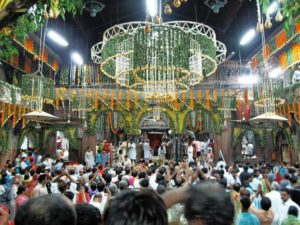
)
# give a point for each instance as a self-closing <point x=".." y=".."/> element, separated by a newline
<point x="159" y="59"/>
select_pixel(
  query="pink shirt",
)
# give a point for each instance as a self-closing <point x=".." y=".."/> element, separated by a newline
<point x="21" y="200"/>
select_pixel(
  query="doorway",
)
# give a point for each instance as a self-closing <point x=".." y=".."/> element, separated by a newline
<point x="286" y="153"/>
<point x="155" y="139"/>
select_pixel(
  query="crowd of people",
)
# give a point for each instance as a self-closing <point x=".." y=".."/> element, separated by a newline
<point x="35" y="189"/>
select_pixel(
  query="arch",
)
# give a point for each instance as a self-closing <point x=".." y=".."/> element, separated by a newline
<point x="238" y="132"/>
<point x="29" y="131"/>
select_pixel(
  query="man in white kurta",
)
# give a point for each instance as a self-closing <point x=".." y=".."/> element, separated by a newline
<point x="132" y="151"/>
<point x="147" y="151"/>
<point x="89" y="158"/>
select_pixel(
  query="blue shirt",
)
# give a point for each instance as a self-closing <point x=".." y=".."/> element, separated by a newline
<point x="98" y="158"/>
<point x="247" y="218"/>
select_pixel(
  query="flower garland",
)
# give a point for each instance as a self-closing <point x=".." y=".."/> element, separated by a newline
<point x="136" y="97"/>
<point x="89" y="74"/>
<point x="176" y="103"/>
<point x="246" y="97"/>
<point x="128" y="100"/>
<point x="192" y="105"/>
<point x="290" y="57"/>
<point x="98" y="74"/>
<point x="3" y="114"/>
<point x="111" y="125"/>
<point x="215" y="95"/>
<point x="14" y="115"/>
<point x="23" y="120"/>
<point x="199" y="97"/>
<point x="298" y="111"/>
<point x="112" y="100"/>
<point x="207" y="97"/>
<point x="96" y="102"/>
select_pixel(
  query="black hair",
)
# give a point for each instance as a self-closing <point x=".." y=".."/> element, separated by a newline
<point x="294" y="179"/>
<point x="51" y="209"/>
<point x="31" y="172"/>
<point x="161" y="189"/>
<point x="144" y="183"/>
<point x="62" y="186"/>
<point x="142" y="175"/>
<point x="245" y="203"/>
<point x="100" y="186"/>
<point x="87" y="214"/>
<point x="134" y="173"/>
<point x="162" y="170"/>
<point x="159" y="178"/>
<point x="143" y="208"/>
<point x="236" y="187"/>
<point x="204" y="170"/>
<point x="119" y="170"/>
<point x="93" y="186"/>
<point x="69" y="195"/>
<point x="127" y="171"/>
<point x="288" y="191"/>
<point x="42" y="177"/>
<point x="293" y="211"/>
<point x="206" y="201"/>
<point x="107" y="177"/>
<point x="265" y="203"/>
<point x="21" y="189"/>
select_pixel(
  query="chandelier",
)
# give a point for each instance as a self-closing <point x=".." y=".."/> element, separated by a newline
<point x="159" y="60"/>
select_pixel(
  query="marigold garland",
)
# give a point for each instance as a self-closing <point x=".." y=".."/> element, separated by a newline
<point x="267" y="51"/>
<point x="3" y="113"/>
<point x="112" y="100"/>
<point x="192" y="105"/>
<point x="246" y="96"/>
<point x="23" y="119"/>
<point x="283" y="60"/>
<point x="199" y="96"/>
<point x="296" y="52"/>
<point x="176" y="103"/>
<point x="14" y="115"/>
<point x="207" y="97"/>
<point x="78" y="75"/>
<point x="89" y="74"/>
<point x="215" y="95"/>
<point x="96" y="103"/>
<point x="298" y="111"/>
<point x="56" y="98"/>
<point x="8" y="110"/>
<point x="128" y="100"/>
<point x="114" y="131"/>
<point x="136" y="97"/>
<point x="280" y="39"/>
